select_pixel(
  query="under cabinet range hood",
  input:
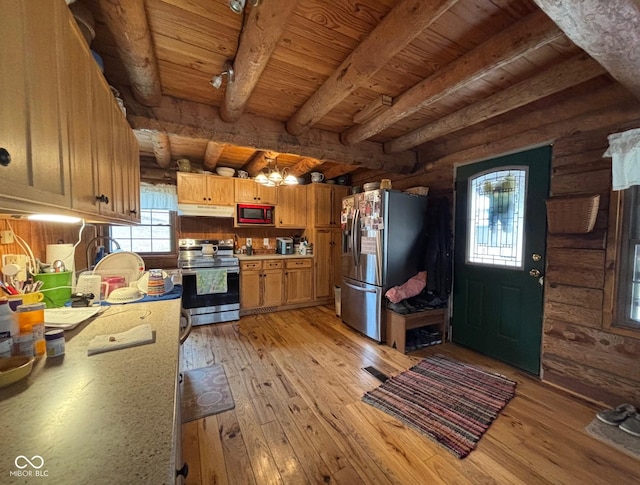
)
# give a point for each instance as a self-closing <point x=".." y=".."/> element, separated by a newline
<point x="202" y="210"/>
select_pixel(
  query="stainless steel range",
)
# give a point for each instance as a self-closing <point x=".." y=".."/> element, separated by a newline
<point x="196" y="258"/>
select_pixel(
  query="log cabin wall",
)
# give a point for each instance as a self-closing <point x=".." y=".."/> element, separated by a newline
<point x="581" y="351"/>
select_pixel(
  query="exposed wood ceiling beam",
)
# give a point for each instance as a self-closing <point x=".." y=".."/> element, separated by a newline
<point x="212" y="155"/>
<point x="405" y="22"/>
<point x="264" y="26"/>
<point x="259" y="161"/>
<point x="162" y="149"/>
<point x="127" y="21"/>
<point x="542" y="135"/>
<point x="305" y="165"/>
<point x="197" y="120"/>
<point x="555" y="79"/>
<point x="608" y="31"/>
<point x="532" y="32"/>
<point x="338" y="170"/>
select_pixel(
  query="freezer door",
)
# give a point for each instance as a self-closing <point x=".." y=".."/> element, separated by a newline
<point x="370" y="226"/>
<point x="361" y="308"/>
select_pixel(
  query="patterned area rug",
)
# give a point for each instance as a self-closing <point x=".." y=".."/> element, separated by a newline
<point x="450" y="402"/>
<point x="205" y="392"/>
<point x="614" y="436"/>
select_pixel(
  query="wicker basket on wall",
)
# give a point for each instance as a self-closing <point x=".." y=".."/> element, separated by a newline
<point x="572" y="214"/>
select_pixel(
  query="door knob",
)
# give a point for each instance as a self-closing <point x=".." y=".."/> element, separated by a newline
<point x="534" y="272"/>
<point x="536" y="257"/>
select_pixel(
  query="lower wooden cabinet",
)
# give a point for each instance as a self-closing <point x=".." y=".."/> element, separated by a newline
<point x="261" y="284"/>
<point x="298" y="281"/>
<point x="326" y="243"/>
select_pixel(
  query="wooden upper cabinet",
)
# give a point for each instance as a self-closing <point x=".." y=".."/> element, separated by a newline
<point x="250" y="192"/>
<point x="194" y="188"/>
<point x="292" y="206"/>
<point x="33" y="122"/>
<point x="326" y="203"/>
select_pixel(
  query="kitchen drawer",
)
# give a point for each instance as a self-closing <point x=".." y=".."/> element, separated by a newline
<point x="299" y="263"/>
<point x="250" y="265"/>
<point x="273" y="264"/>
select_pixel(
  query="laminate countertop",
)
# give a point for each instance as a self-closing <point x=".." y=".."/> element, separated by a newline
<point x="105" y="418"/>
<point x="256" y="257"/>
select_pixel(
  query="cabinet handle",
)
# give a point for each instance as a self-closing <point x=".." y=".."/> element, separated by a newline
<point x="184" y="471"/>
<point x="133" y="211"/>
<point x="102" y="198"/>
<point x="5" y="157"/>
<point x="204" y="198"/>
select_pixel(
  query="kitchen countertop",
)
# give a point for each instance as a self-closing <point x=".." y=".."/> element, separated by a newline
<point x="106" y="418"/>
<point x="254" y="257"/>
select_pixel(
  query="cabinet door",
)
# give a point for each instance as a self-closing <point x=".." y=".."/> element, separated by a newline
<point x="266" y="195"/>
<point x="120" y="165"/>
<point x="191" y="188"/>
<point x="250" y="291"/>
<point x="134" y="178"/>
<point x="339" y="191"/>
<point x="322" y="205"/>
<point x="292" y="206"/>
<point x="246" y="191"/>
<point x="336" y="259"/>
<point x="272" y="287"/>
<point x="103" y="143"/>
<point x="220" y="190"/>
<point x="83" y="169"/>
<point x="324" y="263"/>
<point x="299" y="280"/>
<point x="33" y="125"/>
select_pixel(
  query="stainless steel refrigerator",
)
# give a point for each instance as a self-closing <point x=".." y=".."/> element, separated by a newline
<point x="383" y="245"/>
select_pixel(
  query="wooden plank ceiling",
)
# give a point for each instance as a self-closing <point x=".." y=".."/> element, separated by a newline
<point x="411" y="73"/>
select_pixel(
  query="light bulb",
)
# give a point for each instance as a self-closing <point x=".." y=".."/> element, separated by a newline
<point x="275" y="176"/>
<point x="290" y="180"/>
<point x="237" y="5"/>
<point x="216" y="81"/>
<point x="270" y="183"/>
<point x="261" y="179"/>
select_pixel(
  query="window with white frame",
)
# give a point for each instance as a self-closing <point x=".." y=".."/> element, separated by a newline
<point x="154" y="234"/>
<point x="629" y="276"/>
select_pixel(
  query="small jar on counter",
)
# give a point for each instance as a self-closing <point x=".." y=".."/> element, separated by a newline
<point x="23" y="344"/>
<point x="31" y="320"/>
<point x="55" y="342"/>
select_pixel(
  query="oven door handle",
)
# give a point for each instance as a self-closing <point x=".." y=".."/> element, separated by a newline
<point x="187" y="330"/>
<point x="192" y="272"/>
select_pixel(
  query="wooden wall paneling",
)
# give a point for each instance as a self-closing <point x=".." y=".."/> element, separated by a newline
<point x="614" y="354"/>
<point x="597" y="182"/>
<point x="581" y="267"/>
<point x="573" y="313"/>
<point x="597" y="239"/>
<point x="600" y="386"/>
<point x="585" y="297"/>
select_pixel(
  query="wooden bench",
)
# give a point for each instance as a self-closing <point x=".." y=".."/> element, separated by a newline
<point x="398" y="324"/>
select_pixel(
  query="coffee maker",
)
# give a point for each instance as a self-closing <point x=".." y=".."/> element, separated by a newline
<point x="284" y="245"/>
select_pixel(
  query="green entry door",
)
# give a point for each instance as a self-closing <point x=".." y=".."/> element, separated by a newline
<point x="499" y="257"/>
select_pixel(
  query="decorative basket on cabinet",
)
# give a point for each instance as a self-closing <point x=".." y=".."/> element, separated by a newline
<point x="572" y="214"/>
<point x="417" y="190"/>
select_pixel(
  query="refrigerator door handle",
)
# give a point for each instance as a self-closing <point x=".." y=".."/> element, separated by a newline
<point x="357" y="237"/>
<point x="353" y="237"/>
<point x="359" y="288"/>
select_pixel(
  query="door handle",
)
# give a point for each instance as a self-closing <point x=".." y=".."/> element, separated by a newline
<point x="534" y="272"/>
<point x="359" y="288"/>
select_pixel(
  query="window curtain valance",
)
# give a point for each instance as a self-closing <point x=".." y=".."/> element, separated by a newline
<point x="624" y="150"/>
<point x="161" y="196"/>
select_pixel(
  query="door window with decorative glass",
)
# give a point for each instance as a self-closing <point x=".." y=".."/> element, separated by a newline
<point x="496" y="218"/>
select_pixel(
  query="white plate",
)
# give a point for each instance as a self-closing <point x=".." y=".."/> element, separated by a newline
<point x="143" y="282"/>
<point x="122" y="260"/>
<point x="124" y="295"/>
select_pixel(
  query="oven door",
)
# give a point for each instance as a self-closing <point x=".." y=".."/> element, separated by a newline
<point x="211" y="302"/>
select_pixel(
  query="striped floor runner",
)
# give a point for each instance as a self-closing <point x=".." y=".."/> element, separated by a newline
<point x="450" y="402"/>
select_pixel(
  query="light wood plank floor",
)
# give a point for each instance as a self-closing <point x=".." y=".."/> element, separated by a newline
<point x="297" y="382"/>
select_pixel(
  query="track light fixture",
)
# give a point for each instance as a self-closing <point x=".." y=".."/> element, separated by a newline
<point x="237" y="6"/>
<point x="216" y="81"/>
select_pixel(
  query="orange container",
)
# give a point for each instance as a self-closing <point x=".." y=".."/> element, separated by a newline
<point x="31" y="320"/>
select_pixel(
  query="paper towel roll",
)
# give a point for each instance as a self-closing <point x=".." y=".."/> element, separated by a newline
<point x="65" y="253"/>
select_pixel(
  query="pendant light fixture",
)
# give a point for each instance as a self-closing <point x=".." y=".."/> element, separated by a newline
<point x="273" y="177"/>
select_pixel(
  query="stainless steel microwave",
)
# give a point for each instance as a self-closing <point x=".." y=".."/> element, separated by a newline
<point x="255" y="214"/>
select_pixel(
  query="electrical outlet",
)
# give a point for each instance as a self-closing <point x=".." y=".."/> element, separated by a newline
<point x="18" y="259"/>
<point x="249" y="242"/>
<point x="6" y="237"/>
<point x="265" y="242"/>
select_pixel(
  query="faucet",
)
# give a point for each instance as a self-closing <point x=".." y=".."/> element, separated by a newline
<point x="97" y="238"/>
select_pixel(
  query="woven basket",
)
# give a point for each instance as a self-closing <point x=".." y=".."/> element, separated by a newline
<point x="418" y="190"/>
<point x="574" y="214"/>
